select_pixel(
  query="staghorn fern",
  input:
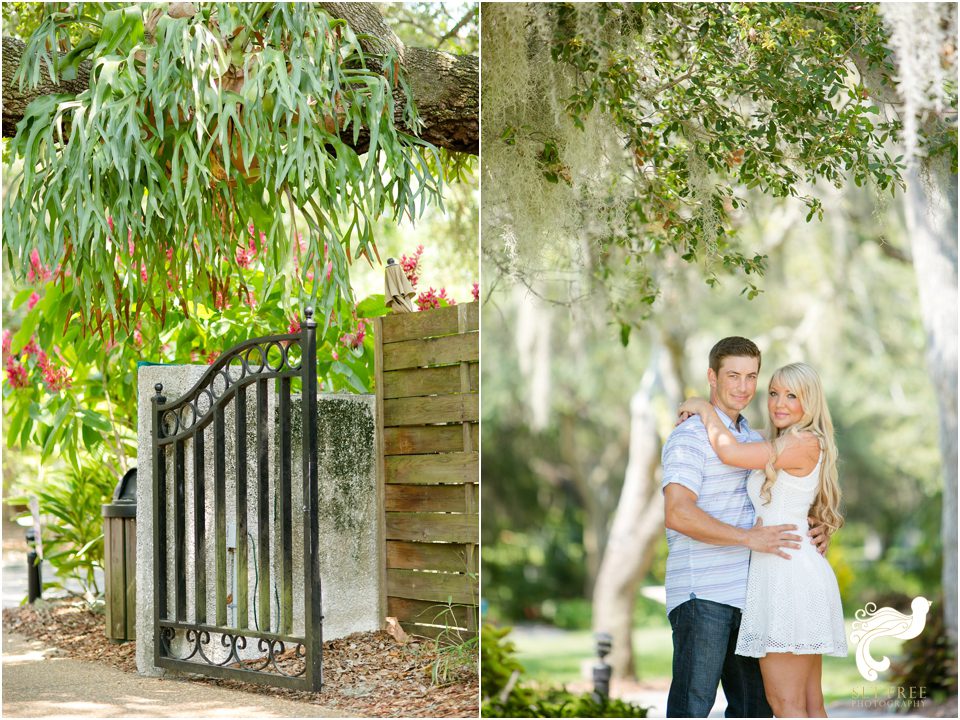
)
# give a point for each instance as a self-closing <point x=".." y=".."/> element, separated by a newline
<point x="195" y="124"/>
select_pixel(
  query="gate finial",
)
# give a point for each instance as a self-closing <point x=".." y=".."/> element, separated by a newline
<point x="308" y="313"/>
<point x="159" y="388"/>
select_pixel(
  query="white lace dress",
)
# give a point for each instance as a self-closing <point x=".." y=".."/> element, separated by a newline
<point x="793" y="606"/>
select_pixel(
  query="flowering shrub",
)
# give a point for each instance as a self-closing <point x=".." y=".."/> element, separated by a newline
<point x="433" y="299"/>
<point x="428" y="299"/>
<point x="99" y="411"/>
<point x="411" y="266"/>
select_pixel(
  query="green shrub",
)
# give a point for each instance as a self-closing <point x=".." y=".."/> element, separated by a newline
<point x="72" y="523"/>
<point x="504" y="694"/>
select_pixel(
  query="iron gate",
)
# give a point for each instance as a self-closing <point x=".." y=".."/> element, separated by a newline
<point x="246" y="628"/>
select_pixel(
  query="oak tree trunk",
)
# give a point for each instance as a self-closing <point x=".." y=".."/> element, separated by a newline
<point x="931" y="204"/>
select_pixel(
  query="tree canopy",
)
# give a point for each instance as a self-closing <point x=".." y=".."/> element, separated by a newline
<point x="618" y="132"/>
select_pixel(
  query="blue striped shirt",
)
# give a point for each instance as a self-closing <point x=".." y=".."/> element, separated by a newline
<point x="696" y="569"/>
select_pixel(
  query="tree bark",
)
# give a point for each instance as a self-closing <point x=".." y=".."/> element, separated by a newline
<point x="15" y="101"/>
<point x="445" y="87"/>
<point x="931" y="205"/>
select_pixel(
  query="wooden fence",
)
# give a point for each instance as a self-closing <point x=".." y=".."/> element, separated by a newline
<point x="427" y="376"/>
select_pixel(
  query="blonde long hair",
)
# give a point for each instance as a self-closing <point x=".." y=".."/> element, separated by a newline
<point x="805" y="383"/>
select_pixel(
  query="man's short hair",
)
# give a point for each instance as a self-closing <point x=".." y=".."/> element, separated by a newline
<point x="733" y="347"/>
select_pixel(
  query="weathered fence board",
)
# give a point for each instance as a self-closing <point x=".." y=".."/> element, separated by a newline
<point x="430" y="613"/>
<point x="433" y="527"/>
<point x="442" y="321"/>
<point x="428" y="409"/>
<point x="433" y="409"/>
<point x="430" y="498"/>
<point x="449" y="557"/>
<point x="418" y="439"/>
<point x="431" y="351"/>
<point x="462" y="467"/>
<point x="415" y="382"/>
<point x="432" y="586"/>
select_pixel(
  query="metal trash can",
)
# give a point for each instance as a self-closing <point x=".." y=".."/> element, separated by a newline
<point x="120" y="559"/>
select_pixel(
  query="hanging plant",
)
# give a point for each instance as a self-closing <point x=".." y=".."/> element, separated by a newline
<point x="138" y="191"/>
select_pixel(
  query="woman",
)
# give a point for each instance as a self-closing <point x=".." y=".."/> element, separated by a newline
<point x="793" y="615"/>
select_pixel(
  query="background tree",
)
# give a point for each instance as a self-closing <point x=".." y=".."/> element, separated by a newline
<point x="621" y="138"/>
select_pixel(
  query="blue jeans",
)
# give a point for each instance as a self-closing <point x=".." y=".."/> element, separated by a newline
<point x="704" y="640"/>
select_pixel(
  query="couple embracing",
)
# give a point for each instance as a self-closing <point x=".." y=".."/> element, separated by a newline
<point x="752" y="601"/>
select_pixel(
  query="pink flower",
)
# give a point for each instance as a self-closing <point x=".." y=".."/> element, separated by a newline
<point x="476" y="291"/>
<point x="433" y="299"/>
<point x="411" y="266"/>
<point x="55" y="378"/>
<point x="220" y="302"/>
<point x="169" y="254"/>
<point x="212" y="357"/>
<point x="251" y="299"/>
<point x="143" y="272"/>
<point x="7" y="342"/>
<point x="329" y="269"/>
<point x="294" y="326"/>
<point x="37" y="271"/>
<point x="16" y="374"/>
<point x="31" y="347"/>
<point x="110" y="222"/>
<point x="353" y="340"/>
<point x="334" y="355"/>
<point x="138" y="338"/>
<point x="33" y="300"/>
<point x="246" y="255"/>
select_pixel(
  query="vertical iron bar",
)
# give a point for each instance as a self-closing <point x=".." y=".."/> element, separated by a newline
<point x="159" y="523"/>
<point x="312" y="605"/>
<point x="286" y="519"/>
<point x="180" y="529"/>
<point x="199" y="528"/>
<point x="220" y="511"/>
<point x="241" y="574"/>
<point x="263" y="509"/>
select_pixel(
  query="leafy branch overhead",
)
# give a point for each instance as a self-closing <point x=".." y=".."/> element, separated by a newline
<point x="638" y="132"/>
<point x="158" y="135"/>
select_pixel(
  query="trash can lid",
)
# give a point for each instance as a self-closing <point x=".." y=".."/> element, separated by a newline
<point x="124" y="497"/>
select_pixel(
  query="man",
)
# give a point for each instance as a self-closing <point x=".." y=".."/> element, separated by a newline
<point x="710" y="534"/>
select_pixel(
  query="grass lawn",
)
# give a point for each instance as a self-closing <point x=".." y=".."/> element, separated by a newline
<point x="556" y="657"/>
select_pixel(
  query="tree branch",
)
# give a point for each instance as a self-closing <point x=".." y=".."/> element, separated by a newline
<point x="456" y="28"/>
<point x="445" y="87"/>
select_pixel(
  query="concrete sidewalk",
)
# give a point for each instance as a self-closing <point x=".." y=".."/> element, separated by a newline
<point x="39" y="682"/>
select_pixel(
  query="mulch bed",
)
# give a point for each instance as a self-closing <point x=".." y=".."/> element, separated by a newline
<point x="365" y="674"/>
